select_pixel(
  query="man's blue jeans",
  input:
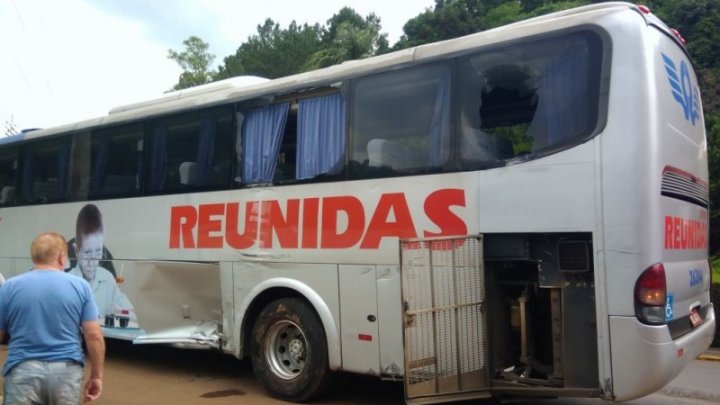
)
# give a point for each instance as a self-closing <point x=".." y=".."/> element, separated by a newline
<point x="37" y="382"/>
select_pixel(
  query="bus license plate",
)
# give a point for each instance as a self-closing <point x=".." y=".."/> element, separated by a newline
<point x="695" y="318"/>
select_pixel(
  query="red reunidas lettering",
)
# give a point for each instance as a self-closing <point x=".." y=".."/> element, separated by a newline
<point x="183" y="220"/>
<point x="210" y="230"/>
<point x="310" y="223"/>
<point x="285" y="226"/>
<point x="685" y="234"/>
<point x="247" y="238"/>
<point x="337" y="222"/>
<point x="437" y="209"/>
<point x="353" y="212"/>
<point x="381" y="226"/>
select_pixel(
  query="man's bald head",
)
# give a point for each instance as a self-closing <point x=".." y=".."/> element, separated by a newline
<point x="47" y="248"/>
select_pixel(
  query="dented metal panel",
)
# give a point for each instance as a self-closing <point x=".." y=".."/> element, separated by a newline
<point x="175" y="302"/>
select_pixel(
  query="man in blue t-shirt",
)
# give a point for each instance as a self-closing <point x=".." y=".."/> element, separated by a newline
<point x="45" y="311"/>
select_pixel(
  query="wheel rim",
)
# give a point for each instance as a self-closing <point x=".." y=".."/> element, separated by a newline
<point x="286" y="350"/>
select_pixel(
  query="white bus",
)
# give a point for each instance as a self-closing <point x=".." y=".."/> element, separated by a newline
<point x="519" y="211"/>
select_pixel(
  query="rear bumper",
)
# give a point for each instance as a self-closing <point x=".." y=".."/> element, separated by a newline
<point x="645" y="358"/>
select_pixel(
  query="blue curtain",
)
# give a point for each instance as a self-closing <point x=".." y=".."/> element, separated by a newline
<point x="562" y="111"/>
<point x="440" y="126"/>
<point x="262" y="134"/>
<point x="321" y="136"/>
<point x="159" y="157"/>
<point x="206" y="149"/>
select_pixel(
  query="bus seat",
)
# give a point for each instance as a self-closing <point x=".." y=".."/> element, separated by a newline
<point x="382" y="152"/>
<point x="7" y="195"/>
<point x="188" y="173"/>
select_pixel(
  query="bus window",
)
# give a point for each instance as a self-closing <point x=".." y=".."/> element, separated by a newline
<point x="83" y="154"/>
<point x="45" y="169"/>
<point x="8" y="175"/>
<point x="285" y="166"/>
<point x="401" y="122"/>
<point x="117" y="161"/>
<point x="529" y="99"/>
<point x="262" y="133"/>
<point x="305" y="137"/>
<point x="191" y="151"/>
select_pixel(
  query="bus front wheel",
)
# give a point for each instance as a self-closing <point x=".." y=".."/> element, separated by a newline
<point x="289" y="350"/>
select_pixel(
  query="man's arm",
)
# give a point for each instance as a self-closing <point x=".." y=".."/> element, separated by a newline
<point x="95" y="343"/>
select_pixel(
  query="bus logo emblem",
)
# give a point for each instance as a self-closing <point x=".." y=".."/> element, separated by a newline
<point x="683" y="91"/>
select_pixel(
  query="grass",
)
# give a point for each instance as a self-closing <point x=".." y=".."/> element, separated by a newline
<point x="715" y="269"/>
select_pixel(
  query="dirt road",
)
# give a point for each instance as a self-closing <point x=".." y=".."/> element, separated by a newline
<point x="164" y="375"/>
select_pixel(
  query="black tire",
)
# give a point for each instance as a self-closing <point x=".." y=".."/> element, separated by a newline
<point x="289" y="350"/>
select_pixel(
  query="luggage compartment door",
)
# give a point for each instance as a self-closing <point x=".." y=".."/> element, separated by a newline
<point x="444" y="323"/>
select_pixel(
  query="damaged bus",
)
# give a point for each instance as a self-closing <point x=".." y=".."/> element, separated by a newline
<point x="521" y="211"/>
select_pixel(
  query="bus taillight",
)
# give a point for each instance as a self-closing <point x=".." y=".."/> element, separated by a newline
<point x="650" y="295"/>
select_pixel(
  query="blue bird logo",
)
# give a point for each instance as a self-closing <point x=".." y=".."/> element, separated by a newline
<point x="683" y="91"/>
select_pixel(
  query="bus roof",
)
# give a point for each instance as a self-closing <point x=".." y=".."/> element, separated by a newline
<point x="249" y="87"/>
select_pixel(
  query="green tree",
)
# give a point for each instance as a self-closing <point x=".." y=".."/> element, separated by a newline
<point x="195" y="61"/>
<point x="449" y="19"/>
<point x="273" y="52"/>
<point x="10" y="128"/>
<point x="712" y="123"/>
<point x="455" y="18"/>
<point x="505" y="13"/>
<point x="551" y="7"/>
<point x="349" y="36"/>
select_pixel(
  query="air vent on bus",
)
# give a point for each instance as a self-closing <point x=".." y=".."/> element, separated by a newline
<point x="574" y="256"/>
<point x="685" y="186"/>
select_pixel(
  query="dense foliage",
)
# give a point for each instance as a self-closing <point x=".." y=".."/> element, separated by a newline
<point x="275" y="52"/>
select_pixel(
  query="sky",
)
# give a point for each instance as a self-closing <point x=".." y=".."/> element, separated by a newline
<point x="70" y="60"/>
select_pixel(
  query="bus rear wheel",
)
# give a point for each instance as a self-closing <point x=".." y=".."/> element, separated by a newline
<point x="289" y="350"/>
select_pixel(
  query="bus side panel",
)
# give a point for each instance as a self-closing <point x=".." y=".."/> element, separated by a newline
<point x="683" y="185"/>
<point x="232" y="341"/>
<point x="358" y="319"/>
<point x="171" y="296"/>
<point x="647" y="133"/>
<point x="390" y="321"/>
<point x="14" y="266"/>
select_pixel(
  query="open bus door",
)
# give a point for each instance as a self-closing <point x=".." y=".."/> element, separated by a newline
<point x="444" y="327"/>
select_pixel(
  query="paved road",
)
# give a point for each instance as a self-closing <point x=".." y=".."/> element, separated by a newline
<point x="163" y="375"/>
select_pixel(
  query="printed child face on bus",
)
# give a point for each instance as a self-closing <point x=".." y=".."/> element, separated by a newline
<point x="89" y="253"/>
<point x="89" y="241"/>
